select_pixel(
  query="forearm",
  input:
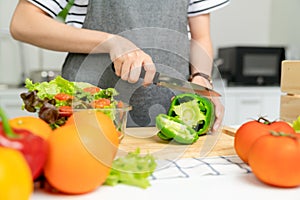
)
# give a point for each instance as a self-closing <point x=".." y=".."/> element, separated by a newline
<point x="201" y="56"/>
<point x="201" y="46"/>
<point x="31" y="25"/>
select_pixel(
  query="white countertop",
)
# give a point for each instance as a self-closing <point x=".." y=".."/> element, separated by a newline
<point x="216" y="178"/>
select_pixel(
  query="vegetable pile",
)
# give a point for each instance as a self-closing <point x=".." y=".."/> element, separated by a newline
<point x="272" y="150"/>
<point x="45" y="159"/>
<point x="54" y="101"/>
<point x="188" y="117"/>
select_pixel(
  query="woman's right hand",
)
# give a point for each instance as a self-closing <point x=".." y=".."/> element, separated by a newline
<point x="129" y="59"/>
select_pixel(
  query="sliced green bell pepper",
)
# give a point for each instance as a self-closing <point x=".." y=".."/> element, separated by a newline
<point x="195" y="111"/>
<point x="173" y="128"/>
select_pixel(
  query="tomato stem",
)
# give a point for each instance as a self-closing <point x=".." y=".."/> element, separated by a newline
<point x="6" y="127"/>
<point x="265" y="121"/>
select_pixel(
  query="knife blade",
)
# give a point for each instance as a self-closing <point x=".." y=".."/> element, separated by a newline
<point x="180" y="85"/>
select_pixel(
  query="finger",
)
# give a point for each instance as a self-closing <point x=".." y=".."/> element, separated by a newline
<point x="125" y="70"/>
<point x="150" y="72"/>
<point x="135" y="71"/>
<point x="219" y="113"/>
<point x="118" y="66"/>
<point x="217" y="125"/>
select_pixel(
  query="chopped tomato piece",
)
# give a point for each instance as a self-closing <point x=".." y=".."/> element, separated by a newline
<point x="63" y="97"/>
<point x="120" y="104"/>
<point x="92" y="90"/>
<point x="100" y="103"/>
<point x="65" y="111"/>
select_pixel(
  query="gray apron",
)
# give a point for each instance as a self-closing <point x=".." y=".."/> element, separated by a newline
<point x="158" y="27"/>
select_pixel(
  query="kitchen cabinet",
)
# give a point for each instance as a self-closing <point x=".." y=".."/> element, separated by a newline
<point x="246" y="103"/>
<point x="11" y="102"/>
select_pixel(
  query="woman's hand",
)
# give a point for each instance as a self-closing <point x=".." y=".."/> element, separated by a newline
<point x="219" y="108"/>
<point x="128" y="60"/>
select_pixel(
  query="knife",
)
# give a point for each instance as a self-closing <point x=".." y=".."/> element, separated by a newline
<point x="180" y="85"/>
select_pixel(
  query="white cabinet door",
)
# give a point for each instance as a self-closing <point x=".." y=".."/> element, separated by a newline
<point x="247" y="103"/>
<point x="248" y="108"/>
<point x="271" y="106"/>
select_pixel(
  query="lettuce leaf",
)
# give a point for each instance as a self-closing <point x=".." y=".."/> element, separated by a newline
<point x="132" y="169"/>
<point x="51" y="88"/>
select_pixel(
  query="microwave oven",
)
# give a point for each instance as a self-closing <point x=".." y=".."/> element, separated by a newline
<point x="251" y="65"/>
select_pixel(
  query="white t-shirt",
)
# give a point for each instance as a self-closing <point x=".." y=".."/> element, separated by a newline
<point x="78" y="10"/>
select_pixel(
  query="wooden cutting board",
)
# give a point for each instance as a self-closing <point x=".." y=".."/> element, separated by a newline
<point x="218" y="144"/>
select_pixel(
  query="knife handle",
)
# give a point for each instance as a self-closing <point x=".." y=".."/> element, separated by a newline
<point x="156" y="76"/>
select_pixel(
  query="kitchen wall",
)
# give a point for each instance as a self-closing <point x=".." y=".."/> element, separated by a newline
<point x="17" y="59"/>
<point x="243" y="22"/>
<point x="284" y="26"/>
<point x="256" y="22"/>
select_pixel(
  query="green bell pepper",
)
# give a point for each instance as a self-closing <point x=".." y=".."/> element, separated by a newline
<point x="173" y="128"/>
<point x="195" y="111"/>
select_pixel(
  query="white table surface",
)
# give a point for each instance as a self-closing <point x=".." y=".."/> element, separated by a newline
<point x="211" y="178"/>
<point x="244" y="187"/>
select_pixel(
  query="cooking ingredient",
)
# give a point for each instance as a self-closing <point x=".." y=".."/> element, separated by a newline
<point x="296" y="124"/>
<point x="33" y="147"/>
<point x="195" y="111"/>
<point x="81" y="153"/>
<point x="173" y="128"/>
<point x="92" y="89"/>
<point x="132" y="169"/>
<point x="15" y="175"/>
<point x="54" y="101"/>
<point x="65" y="111"/>
<point x="63" y="97"/>
<point x="34" y="124"/>
<point x="275" y="159"/>
<point x="250" y="131"/>
<point x="101" y="103"/>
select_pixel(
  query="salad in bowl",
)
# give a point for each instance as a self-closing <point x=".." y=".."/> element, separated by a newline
<point x="56" y="100"/>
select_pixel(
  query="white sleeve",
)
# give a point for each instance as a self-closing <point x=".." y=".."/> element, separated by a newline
<point x="197" y="7"/>
<point x="50" y="6"/>
<point x="76" y="15"/>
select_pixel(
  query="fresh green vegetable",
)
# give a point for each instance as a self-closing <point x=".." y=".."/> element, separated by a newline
<point x="52" y="99"/>
<point x="296" y="124"/>
<point x="173" y="128"/>
<point x="188" y="117"/>
<point x="50" y="89"/>
<point x="132" y="169"/>
<point x="195" y="111"/>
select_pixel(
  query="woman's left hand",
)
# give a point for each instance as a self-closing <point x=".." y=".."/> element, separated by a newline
<point x="219" y="107"/>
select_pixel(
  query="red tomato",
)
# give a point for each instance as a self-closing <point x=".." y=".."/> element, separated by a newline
<point x="120" y="104"/>
<point x="65" y="111"/>
<point x="250" y="131"/>
<point x="92" y="89"/>
<point x="100" y="103"/>
<point x="63" y="97"/>
<point x="275" y="159"/>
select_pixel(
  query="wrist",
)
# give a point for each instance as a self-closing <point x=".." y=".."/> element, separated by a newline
<point x="201" y="78"/>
